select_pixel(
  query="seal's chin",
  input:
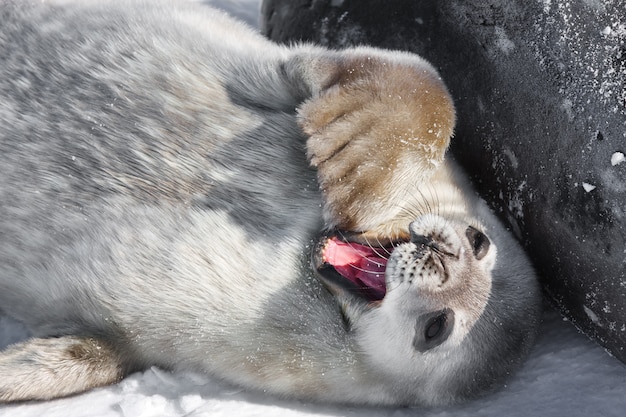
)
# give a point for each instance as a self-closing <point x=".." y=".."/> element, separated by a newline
<point x="352" y="267"/>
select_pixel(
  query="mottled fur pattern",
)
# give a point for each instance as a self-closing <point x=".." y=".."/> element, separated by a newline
<point x="164" y="172"/>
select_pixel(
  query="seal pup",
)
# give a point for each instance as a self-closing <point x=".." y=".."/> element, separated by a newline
<point x="177" y="191"/>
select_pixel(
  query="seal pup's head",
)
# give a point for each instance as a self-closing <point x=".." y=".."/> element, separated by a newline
<point x="443" y="313"/>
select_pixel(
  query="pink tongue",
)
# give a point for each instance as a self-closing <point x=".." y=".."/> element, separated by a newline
<point x="360" y="264"/>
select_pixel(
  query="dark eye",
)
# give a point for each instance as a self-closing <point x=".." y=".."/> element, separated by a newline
<point x="435" y="326"/>
<point x="479" y="241"/>
<point x="432" y="329"/>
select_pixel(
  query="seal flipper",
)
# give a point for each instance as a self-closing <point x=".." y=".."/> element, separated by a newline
<point x="41" y="369"/>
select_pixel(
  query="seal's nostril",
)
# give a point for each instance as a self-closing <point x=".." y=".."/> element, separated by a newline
<point x="418" y="238"/>
<point x="421" y="240"/>
<point x="427" y="242"/>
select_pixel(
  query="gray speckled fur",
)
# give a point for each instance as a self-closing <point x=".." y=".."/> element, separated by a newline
<point x="157" y="206"/>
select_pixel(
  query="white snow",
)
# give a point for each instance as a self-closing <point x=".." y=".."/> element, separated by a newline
<point x="592" y="316"/>
<point x="566" y="375"/>
<point x="508" y="152"/>
<point x="588" y="187"/>
<point x="617" y="158"/>
<point x="502" y="41"/>
<point x="592" y="65"/>
<point x="567" y="106"/>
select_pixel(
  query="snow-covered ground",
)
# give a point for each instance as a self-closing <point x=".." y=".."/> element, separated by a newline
<point x="566" y="375"/>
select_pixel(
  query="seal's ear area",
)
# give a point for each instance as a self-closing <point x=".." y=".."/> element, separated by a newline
<point x="42" y="369"/>
<point x="376" y="116"/>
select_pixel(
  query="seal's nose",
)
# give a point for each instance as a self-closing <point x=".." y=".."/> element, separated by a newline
<point x="418" y="238"/>
<point x="427" y="241"/>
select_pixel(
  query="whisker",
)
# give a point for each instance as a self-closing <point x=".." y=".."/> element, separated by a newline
<point x="351" y="244"/>
<point x="385" y="249"/>
<point x="377" y="248"/>
<point x="370" y="271"/>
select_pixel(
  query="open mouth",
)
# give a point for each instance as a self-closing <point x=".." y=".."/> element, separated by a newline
<point x="353" y="267"/>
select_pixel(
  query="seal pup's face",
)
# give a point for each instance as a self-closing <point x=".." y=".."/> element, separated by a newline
<point x="415" y="298"/>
